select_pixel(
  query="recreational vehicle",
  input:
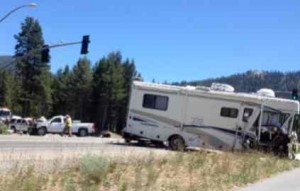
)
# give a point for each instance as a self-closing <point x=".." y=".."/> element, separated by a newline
<point x="213" y="117"/>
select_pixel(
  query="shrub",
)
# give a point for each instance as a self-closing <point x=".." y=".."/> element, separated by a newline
<point x="94" y="169"/>
<point x="3" y="129"/>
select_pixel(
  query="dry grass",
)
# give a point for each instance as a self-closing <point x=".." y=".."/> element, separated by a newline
<point x="3" y="129"/>
<point x="182" y="171"/>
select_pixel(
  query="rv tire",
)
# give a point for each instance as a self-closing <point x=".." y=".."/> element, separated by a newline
<point x="177" y="143"/>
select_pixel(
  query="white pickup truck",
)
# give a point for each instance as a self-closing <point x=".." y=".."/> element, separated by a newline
<point x="56" y="125"/>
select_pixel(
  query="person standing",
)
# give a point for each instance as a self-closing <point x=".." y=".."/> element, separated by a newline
<point x="68" y="125"/>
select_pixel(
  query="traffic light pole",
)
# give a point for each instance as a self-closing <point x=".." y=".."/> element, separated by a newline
<point x="64" y="44"/>
<point x="46" y="48"/>
<point x="85" y="41"/>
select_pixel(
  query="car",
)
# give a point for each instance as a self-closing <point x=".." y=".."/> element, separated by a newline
<point x="20" y="124"/>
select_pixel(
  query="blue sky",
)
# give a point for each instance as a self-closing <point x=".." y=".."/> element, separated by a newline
<point x="170" y="40"/>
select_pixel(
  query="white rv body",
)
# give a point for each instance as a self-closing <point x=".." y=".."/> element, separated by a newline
<point x="212" y="118"/>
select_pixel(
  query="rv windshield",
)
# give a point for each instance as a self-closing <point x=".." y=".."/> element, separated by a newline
<point x="274" y="119"/>
<point x="4" y="113"/>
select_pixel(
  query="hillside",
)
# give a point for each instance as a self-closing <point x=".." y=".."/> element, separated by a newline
<point x="251" y="81"/>
<point x="5" y="60"/>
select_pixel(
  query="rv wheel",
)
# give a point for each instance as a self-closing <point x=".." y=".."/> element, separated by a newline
<point x="176" y="143"/>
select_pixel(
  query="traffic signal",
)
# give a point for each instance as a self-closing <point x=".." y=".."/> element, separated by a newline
<point x="85" y="44"/>
<point x="45" y="54"/>
<point x="295" y="94"/>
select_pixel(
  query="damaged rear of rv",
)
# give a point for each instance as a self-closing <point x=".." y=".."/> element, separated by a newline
<point x="213" y="117"/>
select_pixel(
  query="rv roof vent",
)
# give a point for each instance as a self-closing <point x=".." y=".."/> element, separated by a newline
<point x="203" y="88"/>
<point x="222" y="87"/>
<point x="266" y="92"/>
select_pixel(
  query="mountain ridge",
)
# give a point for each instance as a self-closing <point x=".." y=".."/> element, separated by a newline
<point x="5" y="60"/>
<point x="253" y="80"/>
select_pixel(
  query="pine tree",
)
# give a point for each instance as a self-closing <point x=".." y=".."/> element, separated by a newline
<point x="35" y="79"/>
<point x="5" y="89"/>
<point x="108" y="90"/>
<point x="81" y="88"/>
<point x="117" y="90"/>
<point x="62" y="91"/>
<point x="9" y="91"/>
<point x="129" y="73"/>
<point x="99" y="93"/>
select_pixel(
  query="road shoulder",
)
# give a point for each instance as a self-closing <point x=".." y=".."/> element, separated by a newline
<point x="287" y="181"/>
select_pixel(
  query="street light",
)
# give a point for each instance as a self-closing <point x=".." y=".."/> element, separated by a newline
<point x="32" y="5"/>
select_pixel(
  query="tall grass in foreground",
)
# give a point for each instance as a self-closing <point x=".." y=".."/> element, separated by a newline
<point x="182" y="171"/>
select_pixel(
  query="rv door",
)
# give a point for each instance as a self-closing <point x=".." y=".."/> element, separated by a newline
<point x="246" y="120"/>
<point x="296" y="125"/>
<point x="248" y="117"/>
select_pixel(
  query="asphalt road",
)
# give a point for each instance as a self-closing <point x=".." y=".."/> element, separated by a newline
<point x="25" y="143"/>
<point x="286" y="181"/>
<point x="55" y="152"/>
<point x="54" y="143"/>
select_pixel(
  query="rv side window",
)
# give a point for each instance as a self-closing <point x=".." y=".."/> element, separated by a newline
<point x="155" y="102"/>
<point x="247" y="114"/>
<point x="229" y="112"/>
